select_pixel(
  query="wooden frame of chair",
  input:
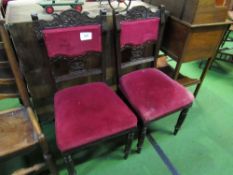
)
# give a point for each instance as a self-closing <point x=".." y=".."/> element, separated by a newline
<point x="25" y="114"/>
<point x="71" y="18"/>
<point x="137" y="59"/>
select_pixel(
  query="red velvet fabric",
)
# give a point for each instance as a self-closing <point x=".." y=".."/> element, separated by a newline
<point x="87" y="113"/>
<point x="153" y="94"/>
<point x="139" y="31"/>
<point x="4" y="2"/>
<point x="67" y="41"/>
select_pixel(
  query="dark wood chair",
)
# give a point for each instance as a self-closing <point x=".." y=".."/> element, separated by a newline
<point x="20" y="130"/>
<point x="91" y="112"/>
<point x="150" y="93"/>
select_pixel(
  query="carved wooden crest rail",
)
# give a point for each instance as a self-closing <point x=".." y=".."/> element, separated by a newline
<point x="137" y="13"/>
<point x="69" y="18"/>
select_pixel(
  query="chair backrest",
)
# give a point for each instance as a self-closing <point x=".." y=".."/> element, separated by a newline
<point x="138" y="38"/>
<point x="75" y="47"/>
<point x="10" y="71"/>
<point x="19" y="127"/>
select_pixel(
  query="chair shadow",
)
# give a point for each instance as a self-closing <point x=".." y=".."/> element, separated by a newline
<point x="161" y="130"/>
<point x="112" y="149"/>
<point x="216" y="66"/>
<point x="96" y="151"/>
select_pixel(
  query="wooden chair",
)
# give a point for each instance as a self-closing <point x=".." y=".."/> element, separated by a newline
<point x="20" y="131"/>
<point x="89" y="113"/>
<point x="150" y="93"/>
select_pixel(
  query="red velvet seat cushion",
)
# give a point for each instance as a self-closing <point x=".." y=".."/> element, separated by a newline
<point x="153" y="94"/>
<point x="86" y="113"/>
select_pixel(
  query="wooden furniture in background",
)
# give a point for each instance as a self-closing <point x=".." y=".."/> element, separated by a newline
<point x="193" y="32"/>
<point x="20" y="131"/>
<point x="196" y="11"/>
<point x="184" y="42"/>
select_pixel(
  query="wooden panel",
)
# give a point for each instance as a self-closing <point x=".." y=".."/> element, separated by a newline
<point x="208" y="12"/>
<point x="16" y="132"/>
<point x="195" y="11"/>
<point x="192" y="42"/>
<point x="203" y="42"/>
<point x="34" y="62"/>
<point x="220" y="2"/>
<point x="175" y="36"/>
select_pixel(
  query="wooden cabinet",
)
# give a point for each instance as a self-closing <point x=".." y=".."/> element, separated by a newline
<point x="185" y="42"/>
<point x="193" y="32"/>
<point x="191" y="42"/>
<point x="196" y="11"/>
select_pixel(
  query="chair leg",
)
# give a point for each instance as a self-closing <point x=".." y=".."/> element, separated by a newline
<point x="128" y="144"/>
<point x="70" y="165"/>
<point x="47" y="155"/>
<point x="180" y="120"/>
<point x="51" y="164"/>
<point x="141" y="138"/>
